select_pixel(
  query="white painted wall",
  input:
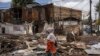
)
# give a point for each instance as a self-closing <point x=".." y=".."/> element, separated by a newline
<point x="69" y="22"/>
<point x="11" y="29"/>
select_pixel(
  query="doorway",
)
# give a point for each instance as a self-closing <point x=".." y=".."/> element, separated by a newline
<point x="3" y="30"/>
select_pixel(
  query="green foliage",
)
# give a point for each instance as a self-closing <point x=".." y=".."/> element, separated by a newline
<point x="98" y="10"/>
<point x="22" y="2"/>
<point x="98" y="22"/>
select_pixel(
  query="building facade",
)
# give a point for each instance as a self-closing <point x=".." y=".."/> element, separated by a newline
<point x="59" y="13"/>
<point x="47" y="12"/>
<point x="39" y="14"/>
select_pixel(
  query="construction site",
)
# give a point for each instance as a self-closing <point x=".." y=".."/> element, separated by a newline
<point x="30" y="28"/>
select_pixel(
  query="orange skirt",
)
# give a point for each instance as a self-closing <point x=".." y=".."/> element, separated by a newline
<point x="51" y="46"/>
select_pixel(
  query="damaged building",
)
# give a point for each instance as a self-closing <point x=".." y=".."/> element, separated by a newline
<point x="38" y="14"/>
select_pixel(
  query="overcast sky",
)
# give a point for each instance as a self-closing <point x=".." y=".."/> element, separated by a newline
<point x="76" y="4"/>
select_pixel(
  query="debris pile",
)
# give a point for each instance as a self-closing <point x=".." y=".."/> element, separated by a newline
<point x="89" y="40"/>
<point x="20" y="53"/>
<point x="22" y="45"/>
<point x="35" y="45"/>
<point x="11" y="43"/>
<point x="71" y="50"/>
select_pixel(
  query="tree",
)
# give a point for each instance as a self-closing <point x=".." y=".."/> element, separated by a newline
<point x="98" y="7"/>
<point x="20" y="3"/>
<point x="98" y="10"/>
<point x="17" y="6"/>
<point x="98" y="22"/>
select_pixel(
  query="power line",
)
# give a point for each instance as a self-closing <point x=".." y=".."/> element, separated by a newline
<point x="84" y="6"/>
<point x="77" y="4"/>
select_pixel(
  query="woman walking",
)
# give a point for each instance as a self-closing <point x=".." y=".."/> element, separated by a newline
<point x="51" y="43"/>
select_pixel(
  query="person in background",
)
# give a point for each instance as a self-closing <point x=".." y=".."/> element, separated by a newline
<point x="70" y="36"/>
<point x="51" y="43"/>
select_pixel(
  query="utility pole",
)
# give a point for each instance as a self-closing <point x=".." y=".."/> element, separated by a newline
<point x="99" y="14"/>
<point x="95" y="22"/>
<point x="90" y="19"/>
<point x="60" y="13"/>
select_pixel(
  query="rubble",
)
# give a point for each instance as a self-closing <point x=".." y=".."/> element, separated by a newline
<point x="89" y="40"/>
<point x="9" y="44"/>
<point x="20" y="53"/>
<point x="71" y="50"/>
<point x="79" y="44"/>
<point x="26" y="45"/>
